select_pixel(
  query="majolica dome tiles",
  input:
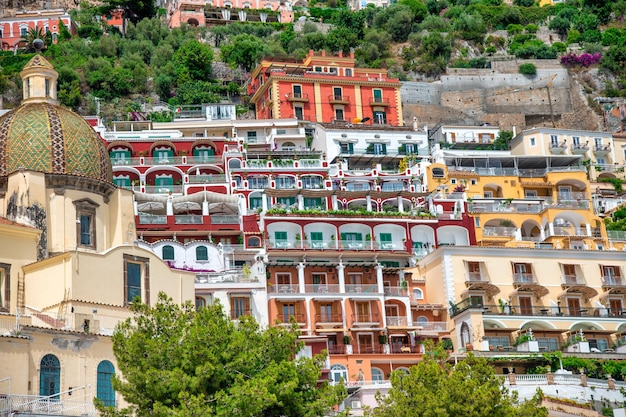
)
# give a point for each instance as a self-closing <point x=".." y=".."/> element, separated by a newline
<point x="48" y="138"/>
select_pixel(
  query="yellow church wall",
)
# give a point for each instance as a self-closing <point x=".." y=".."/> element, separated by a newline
<point x="79" y="355"/>
<point x="17" y="248"/>
<point x="121" y="225"/>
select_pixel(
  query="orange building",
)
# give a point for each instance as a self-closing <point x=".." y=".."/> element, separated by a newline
<point x="14" y="27"/>
<point x="325" y="89"/>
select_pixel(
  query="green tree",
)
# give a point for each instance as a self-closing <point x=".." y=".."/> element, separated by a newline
<point x="35" y="33"/>
<point x="134" y="10"/>
<point x="419" y="9"/>
<point x="193" y="61"/>
<point x="433" y="388"/>
<point x="341" y="39"/>
<point x="176" y="361"/>
<point x="560" y="25"/>
<point x="245" y="51"/>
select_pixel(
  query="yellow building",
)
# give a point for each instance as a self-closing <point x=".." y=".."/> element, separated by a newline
<point x="603" y="154"/>
<point x="522" y="201"/>
<point x="69" y="264"/>
<point x="496" y="295"/>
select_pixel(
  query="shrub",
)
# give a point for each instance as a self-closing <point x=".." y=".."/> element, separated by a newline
<point x="560" y="47"/>
<point x="582" y="60"/>
<point x="527" y="69"/>
<point x="531" y="28"/>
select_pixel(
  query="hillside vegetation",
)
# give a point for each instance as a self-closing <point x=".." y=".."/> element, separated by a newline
<point x="412" y="39"/>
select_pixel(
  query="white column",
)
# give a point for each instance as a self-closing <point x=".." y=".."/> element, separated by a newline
<point x="400" y="204"/>
<point x="307" y="306"/>
<point x="379" y="278"/>
<point x="551" y="228"/>
<point x="588" y="226"/>
<point x="300" y="199"/>
<point x="341" y="277"/>
<point x="334" y="202"/>
<point x="169" y="209"/>
<point x="518" y="234"/>
<point x="407" y="306"/>
<point x="368" y="201"/>
<point x="205" y="208"/>
<point x="301" y="267"/>
<point x="542" y="234"/>
<point x="264" y="202"/>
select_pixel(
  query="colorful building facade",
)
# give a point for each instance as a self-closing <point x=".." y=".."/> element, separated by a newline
<point x="325" y="89"/>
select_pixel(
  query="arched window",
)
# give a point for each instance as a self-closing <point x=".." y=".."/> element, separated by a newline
<point x="202" y="253"/>
<point x="337" y="372"/>
<point x="465" y="334"/>
<point x="254" y="242"/>
<point x="49" y="376"/>
<point x="438" y="173"/>
<point x="421" y="320"/>
<point x="168" y="253"/>
<point x="403" y="370"/>
<point x="105" y="392"/>
<point x="377" y="374"/>
<point x="200" y="303"/>
<point x="418" y="294"/>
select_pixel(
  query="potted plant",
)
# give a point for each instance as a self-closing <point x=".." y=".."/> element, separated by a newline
<point x="382" y="339"/>
<point x="404" y="286"/>
<point x="447" y="345"/>
<point x="505" y="308"/>
<point x="245" y="271"/>
<point x="347" y="345"/>
<point x="526" y="343"/>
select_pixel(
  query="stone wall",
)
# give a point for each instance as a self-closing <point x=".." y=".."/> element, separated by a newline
<point x="500" y="96"/>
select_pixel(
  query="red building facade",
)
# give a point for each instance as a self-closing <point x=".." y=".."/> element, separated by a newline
<point x="325" y="88"/>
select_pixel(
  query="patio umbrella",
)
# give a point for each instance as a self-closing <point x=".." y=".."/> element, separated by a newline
<point x="150" y="206"/>
<point x="186" y="206"/>
<point x="223" y="208"/>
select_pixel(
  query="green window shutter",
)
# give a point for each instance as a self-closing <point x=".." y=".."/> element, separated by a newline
<point x="317" y="236"/>
<point x="164" y="181"/>
<point x="385" y="237"/>
<point x="384" y="149"/>
<point x="280" y="236"/>
<point x="351" y="147"/>
<point x="344" y="236"/>
<point x="378" y="95"/>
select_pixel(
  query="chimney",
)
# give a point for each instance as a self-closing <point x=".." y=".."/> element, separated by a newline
<point x="323" y="52"/>
<point x="352" y="54"/>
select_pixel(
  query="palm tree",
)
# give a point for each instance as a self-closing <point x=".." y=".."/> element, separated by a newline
<point x="35" y="33"/>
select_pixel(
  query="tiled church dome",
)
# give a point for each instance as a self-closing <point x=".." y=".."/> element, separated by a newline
<point x="43" y="136"/>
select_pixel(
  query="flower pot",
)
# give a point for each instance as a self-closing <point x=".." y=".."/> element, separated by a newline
<point x="528" y="346"/>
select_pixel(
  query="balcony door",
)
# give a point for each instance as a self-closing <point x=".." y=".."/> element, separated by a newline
<point x="569" y="271"/>
<point x="297" y="91"/>
<point x="573" y="305"/>
<point x="363" y="312"/>
<point x="326" y="313"/>
<point x="526" y="305"/>
<point x="365" y="342"/>
<point x="393" y="315"/>
<point x="616" y="307"/>
<point x="319" y="283"/>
